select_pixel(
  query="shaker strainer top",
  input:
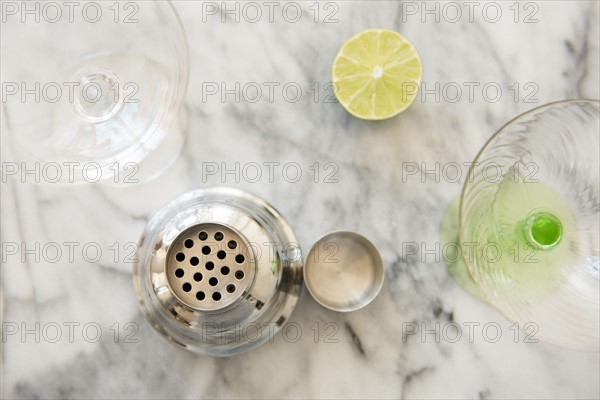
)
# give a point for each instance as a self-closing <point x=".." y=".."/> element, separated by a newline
<point x="209" y="266"/>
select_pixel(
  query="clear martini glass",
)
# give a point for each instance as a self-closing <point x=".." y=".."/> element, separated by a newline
<point x="91" y="90"/>
<point x="527" y="223"/>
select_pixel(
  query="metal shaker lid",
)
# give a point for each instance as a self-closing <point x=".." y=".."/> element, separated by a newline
<point x="343" y="271"/>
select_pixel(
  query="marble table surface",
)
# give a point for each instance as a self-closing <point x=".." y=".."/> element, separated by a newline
<point x="535" y="52"/>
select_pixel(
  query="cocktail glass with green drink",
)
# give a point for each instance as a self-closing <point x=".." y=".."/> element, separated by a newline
<point x="527" y="223"/>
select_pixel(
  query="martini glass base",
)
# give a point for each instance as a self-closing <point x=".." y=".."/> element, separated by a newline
<point x="453" y="256"/>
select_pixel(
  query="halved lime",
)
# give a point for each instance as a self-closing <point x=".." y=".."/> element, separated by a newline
<point x="376" y="74"/>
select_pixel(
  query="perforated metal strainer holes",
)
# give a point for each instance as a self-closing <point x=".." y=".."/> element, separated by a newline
<point x="208" y="266"/>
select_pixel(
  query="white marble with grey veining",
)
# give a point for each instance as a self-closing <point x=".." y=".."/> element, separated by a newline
<point x="368" y="358"/>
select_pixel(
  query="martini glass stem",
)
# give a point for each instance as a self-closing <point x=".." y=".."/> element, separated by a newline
<point x="541" y="229"/>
